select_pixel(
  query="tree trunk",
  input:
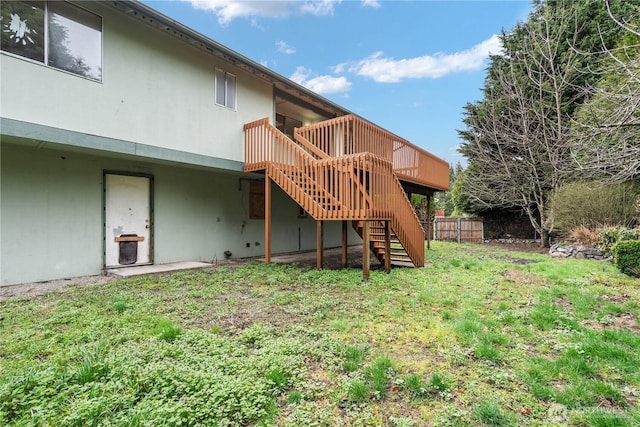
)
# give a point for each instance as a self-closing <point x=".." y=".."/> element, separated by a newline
<point x="544" y="238"/>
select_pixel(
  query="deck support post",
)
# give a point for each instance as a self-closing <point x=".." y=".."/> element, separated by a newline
<point x="344" y="244"/>
<point x="387" y="247"/>
<point x="319" y="244"/>
<point x="366" y="257"/>
<point x="429" y="221"/>
<point x="267" y="219"/>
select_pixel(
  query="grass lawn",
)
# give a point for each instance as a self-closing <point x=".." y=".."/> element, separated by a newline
<point x="480" y="336"/>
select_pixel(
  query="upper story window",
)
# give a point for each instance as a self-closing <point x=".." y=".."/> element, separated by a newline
<point x="57" y="34"/>
<point x="225" y="89"/>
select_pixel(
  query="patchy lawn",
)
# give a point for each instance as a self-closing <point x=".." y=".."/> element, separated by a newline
<point x="480" y="336"/>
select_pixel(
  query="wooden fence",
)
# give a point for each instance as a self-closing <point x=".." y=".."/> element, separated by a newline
<point x="459" y="230"/>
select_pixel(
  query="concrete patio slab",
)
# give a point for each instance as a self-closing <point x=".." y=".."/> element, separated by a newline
<point x="332" y="258"/>
<point x="125" y="272"/>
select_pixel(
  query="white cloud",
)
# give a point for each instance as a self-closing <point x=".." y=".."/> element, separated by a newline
<point x="319" y="7"/>
<point x="389" y="70"/>
<point x="285" y="48"/>
<point x="320" y="84"/>
<point x="338" y="69"/>
<point x="228" y="10"/>
<point x="371" y="3"/>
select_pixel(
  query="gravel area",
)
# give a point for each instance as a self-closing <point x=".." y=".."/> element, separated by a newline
<point x="37" y="289"/>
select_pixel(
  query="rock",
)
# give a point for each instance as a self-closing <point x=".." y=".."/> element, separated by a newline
<point x="581" y="252"/>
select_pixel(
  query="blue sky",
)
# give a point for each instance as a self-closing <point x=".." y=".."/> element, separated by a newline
<point x="408" y="66"/>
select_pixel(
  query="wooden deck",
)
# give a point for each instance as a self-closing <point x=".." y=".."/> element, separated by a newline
<point x="347" y="169"/>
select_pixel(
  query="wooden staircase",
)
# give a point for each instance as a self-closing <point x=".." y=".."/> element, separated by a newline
<point x="377" y="243"/>
<point x="357" y="187"/>
<point x="304" y="188"/>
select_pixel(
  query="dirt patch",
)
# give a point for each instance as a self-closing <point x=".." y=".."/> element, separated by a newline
<point x="625" y="321"/>
<point x="565" y="303"/>
<point x="38" y="289"/>
<point x="531" y="247"/>
<point x="245" y="317"/>
<point x="522" y="261"/>
<point x="617" y="299"/>
<point x="238" y="311"/>
<point x="522" y="278"/>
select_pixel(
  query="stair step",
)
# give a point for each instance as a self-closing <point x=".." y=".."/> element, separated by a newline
<point x="398" y="252"/>
<point x="403" y="264"/>
<point x="394" y="254"/>
<point x="381" y="237"/>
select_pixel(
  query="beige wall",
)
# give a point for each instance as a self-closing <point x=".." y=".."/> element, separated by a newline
<point x="51" y="215"/>
<point x="156" y="90"/>
<point x="153" y="113"/>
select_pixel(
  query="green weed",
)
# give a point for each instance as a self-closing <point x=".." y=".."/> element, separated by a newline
<point x="544" y="316"/>
<point x="167" y="330"/>
<point x="278" y="377"/>
<point x="294" y="398"/>
<point x="353" y="355"/>
<point x="358" y="391"/>
<point x="488" y="413"/>
<point x="379" y="374"/>
<point x="92" y="367"/>
<point x="603" y="417"/>
<point x="119" y="303"/>
<point x="439" y="382"/>
<point x="471" y="339"/>
<point x="413" y="383"/>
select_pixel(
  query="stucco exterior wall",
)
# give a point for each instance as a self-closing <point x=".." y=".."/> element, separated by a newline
<point x="156" y="90"/>
<point x="51" y="215"/>
<point x="153" y="113"/>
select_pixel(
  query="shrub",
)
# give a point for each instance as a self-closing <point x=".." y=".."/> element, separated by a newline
<point x="584" y="236"/>
<point x="610" y="236"/>
<point x="593" y="204"/>
<point x="627" y="257"/>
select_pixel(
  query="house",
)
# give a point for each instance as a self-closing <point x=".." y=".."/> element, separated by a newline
<point x="128" y="138"/>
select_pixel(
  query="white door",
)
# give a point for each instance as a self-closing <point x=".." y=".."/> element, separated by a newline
<point x="127" y="213"/>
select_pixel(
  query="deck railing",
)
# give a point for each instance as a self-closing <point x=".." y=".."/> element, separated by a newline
<point x="351" y="134"/>
<point x="349" y="187"/>
<point x="359" y="186"/>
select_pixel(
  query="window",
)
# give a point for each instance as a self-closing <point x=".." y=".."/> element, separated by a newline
<point x="57" y="34"/>
<point x="225" y="89"/>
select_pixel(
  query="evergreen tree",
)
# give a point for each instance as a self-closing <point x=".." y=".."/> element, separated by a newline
<point x="518" y="139"/>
